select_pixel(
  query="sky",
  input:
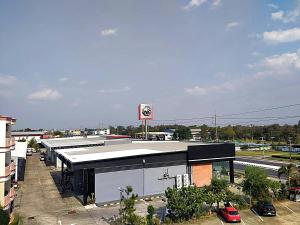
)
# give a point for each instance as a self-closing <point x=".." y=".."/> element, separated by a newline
<point x="70" y="64"/>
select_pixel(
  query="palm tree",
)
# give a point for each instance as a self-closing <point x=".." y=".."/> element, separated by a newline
<point x="287" y="171"/>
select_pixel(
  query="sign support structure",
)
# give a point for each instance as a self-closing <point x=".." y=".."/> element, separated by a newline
<point x="145" y="112"/>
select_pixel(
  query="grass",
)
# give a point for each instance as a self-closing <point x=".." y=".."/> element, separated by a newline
<point x="269" y="154"/>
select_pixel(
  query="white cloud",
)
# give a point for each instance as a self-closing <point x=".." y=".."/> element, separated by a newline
<point x="231" y="25"/>
<point x="63" y="79"/>
<point x="44" y="95"/>
<point x="194" y="3"/>
<point x="284" y="62"/>
<point x="273" y="6"/>
<point x="7" y="80"/>
<point x="216" y="3"/>
<point x="109" y="32"/>
<point x="277" y="15"/>
<point x="282" y="36"/>
<point x="287" y="17"/>
<point x="82" y="82"/>
<point x="221" y="88"/>
<point x="110" y="91"/>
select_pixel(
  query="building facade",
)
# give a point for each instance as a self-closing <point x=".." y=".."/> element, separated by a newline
<point x="150" y="168"/>
<point x="7" y="167"/>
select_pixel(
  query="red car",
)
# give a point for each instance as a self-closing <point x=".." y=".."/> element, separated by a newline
<point x="230" y="214"/>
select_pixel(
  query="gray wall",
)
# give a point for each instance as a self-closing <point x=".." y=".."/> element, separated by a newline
<point x="148" y="181"/>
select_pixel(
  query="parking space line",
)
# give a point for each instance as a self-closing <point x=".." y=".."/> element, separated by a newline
<point x="220" y="220"/>
<point x="257" y="215"/>
<point x="288" y="208"/>
<point x="243" y="221"/>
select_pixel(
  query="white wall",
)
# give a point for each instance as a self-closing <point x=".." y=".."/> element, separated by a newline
<point x="2" y="133"/>
<point x="20" y="150"/>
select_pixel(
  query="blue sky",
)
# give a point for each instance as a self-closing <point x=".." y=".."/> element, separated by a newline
<point x="72" y="64"/>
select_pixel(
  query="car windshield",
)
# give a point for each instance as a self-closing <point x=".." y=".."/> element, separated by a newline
<point x="233" y="213"/>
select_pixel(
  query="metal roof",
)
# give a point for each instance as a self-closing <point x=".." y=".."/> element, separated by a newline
<point x="27" y="133"/>
<point x="123" y="150"/>
<point x="71" y="142"/>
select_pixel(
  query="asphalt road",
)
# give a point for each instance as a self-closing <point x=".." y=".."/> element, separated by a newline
<point x="270" y="172"/>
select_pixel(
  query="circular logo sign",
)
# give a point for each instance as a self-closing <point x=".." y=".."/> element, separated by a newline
<point x="146" y="111"/>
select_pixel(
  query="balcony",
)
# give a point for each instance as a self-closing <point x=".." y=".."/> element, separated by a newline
<point x="12" y="167"/>
<point x="9" y="144"/>
<point x="9" y="197"/>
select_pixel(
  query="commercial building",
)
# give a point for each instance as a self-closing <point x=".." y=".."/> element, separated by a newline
<point x="148" y="166"/>
<point x="7" y="167"/>
<point x="51" y="145"/>
<point x="28" y="135"/>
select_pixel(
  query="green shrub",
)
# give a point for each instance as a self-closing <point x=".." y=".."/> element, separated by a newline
<point x="4" y="217"/>
<point x="17" y="220"/>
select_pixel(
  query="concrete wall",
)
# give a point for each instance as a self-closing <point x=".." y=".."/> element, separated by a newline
<point x="147" y="181"/>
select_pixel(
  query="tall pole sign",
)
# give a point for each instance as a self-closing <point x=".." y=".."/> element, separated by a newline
<point x="145" y="112"/>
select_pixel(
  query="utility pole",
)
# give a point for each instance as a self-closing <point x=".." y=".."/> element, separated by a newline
<point x="216" y="132"/>
<point x="262" y="140"/>
<point x="252" y="132"/>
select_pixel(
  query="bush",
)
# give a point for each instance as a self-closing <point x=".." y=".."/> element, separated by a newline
<point x="4" y="217"/>
<point x="17" y="220"/>
<point x="239" y="201"/>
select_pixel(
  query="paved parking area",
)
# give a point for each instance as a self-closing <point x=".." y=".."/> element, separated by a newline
<point x="39" y="200"/>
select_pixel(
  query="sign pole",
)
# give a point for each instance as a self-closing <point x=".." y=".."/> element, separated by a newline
<point x="146" y="130"/>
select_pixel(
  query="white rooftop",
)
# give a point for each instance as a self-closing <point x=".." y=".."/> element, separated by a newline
<point x="76" y="155"/>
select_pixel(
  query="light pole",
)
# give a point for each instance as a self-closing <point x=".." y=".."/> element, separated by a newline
<point x="262" y="139"/>
<point x="290" y="150"/>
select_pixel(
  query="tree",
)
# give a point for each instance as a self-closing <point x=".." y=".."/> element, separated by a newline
<point x="58" y="133"/>
<point x="275" y="185"/>
<point x="256" y="183"/>
<point x="182" y="133"/>
<point x="218" y="187"/>
<point x="149" y="218"/>
<point x="185" y="203"/>
<point x="287" y="171"/>
<point x="295" y="180"/>
<point x="4" y="217"/>
<point x="127" y="207"/>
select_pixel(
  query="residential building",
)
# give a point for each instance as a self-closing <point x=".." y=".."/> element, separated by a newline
<point x="7" y="167"/>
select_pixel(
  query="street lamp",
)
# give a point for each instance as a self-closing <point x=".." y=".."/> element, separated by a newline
<point x="290" y="150"/>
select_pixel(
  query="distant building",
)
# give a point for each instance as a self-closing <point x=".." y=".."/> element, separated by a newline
<point x="196" y="136"/>
<point x="156" y="136"/>
<point x="28" y="135"/>
<point x="7" y="167"/>
<point x="102" y="132"/>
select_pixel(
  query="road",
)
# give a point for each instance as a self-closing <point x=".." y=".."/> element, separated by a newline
<point x="270" y="172"/>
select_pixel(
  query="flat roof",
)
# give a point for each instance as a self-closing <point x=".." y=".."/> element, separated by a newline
<point x="27" y="133"/>
<point x="77" y="155"/>
<point x="66" y="142"/>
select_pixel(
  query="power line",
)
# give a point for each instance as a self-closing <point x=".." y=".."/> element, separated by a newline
<point x="262" y="110"/>
<point x="227" y="115"/>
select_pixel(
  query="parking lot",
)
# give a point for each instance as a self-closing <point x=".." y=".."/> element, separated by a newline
<point x="288" y="212"/>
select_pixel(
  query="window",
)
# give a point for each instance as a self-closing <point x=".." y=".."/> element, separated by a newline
<point x="221" y="170"/>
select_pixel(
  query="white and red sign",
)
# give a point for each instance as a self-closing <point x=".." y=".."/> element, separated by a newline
<point x="145" y="112"/>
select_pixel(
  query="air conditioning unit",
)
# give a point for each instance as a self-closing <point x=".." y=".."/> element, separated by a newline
<point x="186" y="181"/>
<point x="178" y="181"/>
